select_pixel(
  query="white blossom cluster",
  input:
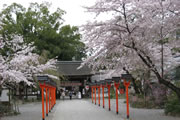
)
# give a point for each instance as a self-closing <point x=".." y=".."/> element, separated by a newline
<point x="134" y="27"/>
<point x="22" y="65"/>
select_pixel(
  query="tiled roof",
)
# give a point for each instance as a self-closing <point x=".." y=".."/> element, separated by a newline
<point x="70" y="68"/>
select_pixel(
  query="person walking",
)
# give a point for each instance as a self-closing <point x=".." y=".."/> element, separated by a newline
<point x="79" y="95"/>
<point x="70" y="95"/>
<point x="60" y="94"/>
<point x="63" y="95"/>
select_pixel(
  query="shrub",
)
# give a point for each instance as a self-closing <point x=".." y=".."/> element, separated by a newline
<point x="139" y="102"/>
<point x="112" y="93"/>
<point x="172" y="106"/>
<point x="4" y="109"/>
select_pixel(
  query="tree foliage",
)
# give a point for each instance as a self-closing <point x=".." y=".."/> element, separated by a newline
<point x="44" y="28"/>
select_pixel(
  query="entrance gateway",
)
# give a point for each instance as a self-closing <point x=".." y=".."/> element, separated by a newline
<point x="76" y="79"/>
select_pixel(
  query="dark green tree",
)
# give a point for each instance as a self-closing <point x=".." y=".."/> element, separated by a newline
<point x="44" y="28"/>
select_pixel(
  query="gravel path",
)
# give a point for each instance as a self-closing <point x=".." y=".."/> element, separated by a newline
<point x="30" y="111"/>
<point x="83" y="109"/>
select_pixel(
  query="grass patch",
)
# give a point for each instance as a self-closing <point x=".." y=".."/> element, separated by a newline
<point x="139" y="101"/>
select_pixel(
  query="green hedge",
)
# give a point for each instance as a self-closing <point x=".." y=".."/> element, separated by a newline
<point x="172" y="107"/>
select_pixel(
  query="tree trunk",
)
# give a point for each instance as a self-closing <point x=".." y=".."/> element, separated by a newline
<point x="168" y="84"/>
<point x="26" y="92"/>
<point x="137" y="91"/>
<point x="148" y="62"/>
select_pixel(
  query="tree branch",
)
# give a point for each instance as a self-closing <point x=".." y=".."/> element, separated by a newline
<point x="125" y="18"/>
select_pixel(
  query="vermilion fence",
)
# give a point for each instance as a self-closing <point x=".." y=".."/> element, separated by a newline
<point x="123" y="80"/>
<point x="49" y="87"/>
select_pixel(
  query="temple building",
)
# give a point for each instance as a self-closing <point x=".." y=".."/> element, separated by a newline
<point x="74" y="79"/>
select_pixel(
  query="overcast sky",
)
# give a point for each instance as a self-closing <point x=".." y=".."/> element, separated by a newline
<point x="75" y="14"/>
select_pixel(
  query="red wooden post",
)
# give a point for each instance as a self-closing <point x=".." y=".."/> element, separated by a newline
<point x="99" y="95"/>
<point x="92" y="93"/>
<point x="46" y="102"/>
<point x="116" y="85"/>
<point x="109" y="87"/>
<point x="126" y="84"/>
<point x="95" y="94"/>
<point x="116" y="100"/>
<point x="49" y="99"/>
<point x="103" y="94"/>
<point x="54" y="95"/>
<point x="42" y="93"/>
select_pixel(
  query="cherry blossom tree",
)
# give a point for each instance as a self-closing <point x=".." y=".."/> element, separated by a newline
<point x="135" y="33"/>
<point x="21" y="64"/>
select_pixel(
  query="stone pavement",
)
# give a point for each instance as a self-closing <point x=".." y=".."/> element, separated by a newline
<point x="83" y="109"/>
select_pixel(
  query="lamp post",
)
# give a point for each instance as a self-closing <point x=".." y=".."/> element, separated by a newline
<point x="127" y="78"/>
<point x="42" y="86"/>
<point x="116" y="84"/>
<point x="50" y="102"/>
<point x="95" y="93"/>
<point x="98" y="86"/>
<point x="103" y="86"/>
<point x="108" y="84"/>
<point x="92" y="87"/>
<point x="46" y="101"/>
<point x="55" y="94"/>
<point x="49" y="98"/>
